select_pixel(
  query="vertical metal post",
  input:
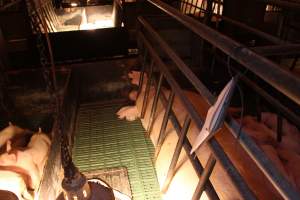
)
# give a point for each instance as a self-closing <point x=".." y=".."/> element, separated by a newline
<point x="141" y="80"/>
<point x="149" y="82"/>
<point x="154" y="104"/>
<point x="171" y="171"/>
<point x="164" y="124"/>
<point x="204" y="178"/>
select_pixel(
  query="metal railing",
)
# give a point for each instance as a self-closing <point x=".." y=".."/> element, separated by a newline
<point x="262" y="67"/>
<point x="181" y="131"/>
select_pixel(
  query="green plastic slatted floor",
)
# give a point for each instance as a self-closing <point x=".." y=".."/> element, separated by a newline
<point x="104" y="141"/>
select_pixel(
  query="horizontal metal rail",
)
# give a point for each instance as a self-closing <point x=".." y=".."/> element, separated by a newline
<point x="274" y="176"/>
<point x="232" y="172"/>
<point x="262" y="34"/>
<point x="277" y="50"/>
<point x="282" y="80"/>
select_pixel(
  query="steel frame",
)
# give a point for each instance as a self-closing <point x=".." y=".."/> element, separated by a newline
<point x="276" y="178"/>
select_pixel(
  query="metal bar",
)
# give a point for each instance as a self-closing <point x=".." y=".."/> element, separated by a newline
<point x="264" y="68"/>
<point x="148" y="85"/>
<point x="180" y="64"/>
<point x="288" y="49"/>
<point x="258" y="32"/>
<point x="274" y="176"/>
<point x="188" y="147"/>
<point x="204" y="178"/>
<point x="48" y="10"/>
<point x="141" y="80"/>
<point x="238" y="182"/>
<point x="178" y="148"/>
<point x="162" y="133"/>
<point x="284" y="110"/>
<point x="154" y="105"/>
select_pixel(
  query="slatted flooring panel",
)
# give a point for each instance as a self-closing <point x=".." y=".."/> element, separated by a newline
<point x="103" y="141"/>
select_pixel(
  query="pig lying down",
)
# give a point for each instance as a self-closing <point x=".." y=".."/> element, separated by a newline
<point x="23" y="164"/>
<point x="284" y="155"/>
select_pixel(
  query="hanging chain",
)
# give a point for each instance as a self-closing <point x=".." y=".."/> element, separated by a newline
<point x="39" y="28"/>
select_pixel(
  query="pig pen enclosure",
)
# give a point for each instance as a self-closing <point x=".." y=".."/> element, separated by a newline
<point x="254" y="155"/>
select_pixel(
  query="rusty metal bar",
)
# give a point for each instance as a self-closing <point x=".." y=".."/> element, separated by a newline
<point x="162" y="133"/>
<point x="178" y="148"/>
<point x="154" y="105"/>
<point x="278" y="50"/>
<point x="236" y="178"/>
<point x="205" y="177"/>
<point x="148" y="85"/>
<point x="262" y="67"/>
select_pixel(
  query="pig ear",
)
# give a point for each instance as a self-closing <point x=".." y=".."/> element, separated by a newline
<point x="40" y="129"/>
<point x="8" y="146"/>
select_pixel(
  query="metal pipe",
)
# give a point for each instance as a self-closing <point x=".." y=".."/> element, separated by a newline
<point x="148" y="85"/>
<point x="260" y="33"/>
<point x="141" y="80"/>
<point x="278" y="50"/>
<point x="171" y="170"/>
<point x="280" y="79"/>
<point x="211" y="193"/>
<point x="154" y="105"/>
<point x="162" y="133"/>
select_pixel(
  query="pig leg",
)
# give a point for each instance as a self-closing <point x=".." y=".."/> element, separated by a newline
<point x="130" y="113"/>
<point x="133" y="95"/>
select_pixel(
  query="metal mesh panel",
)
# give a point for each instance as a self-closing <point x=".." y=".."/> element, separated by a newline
<point x="104" y="141"/>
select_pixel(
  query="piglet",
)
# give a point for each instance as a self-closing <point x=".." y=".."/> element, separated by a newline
<point x="38" y="147"/>
<point x="21" y="162"/>
<point x="9" y="132"/>
<point x="14" y="182"/>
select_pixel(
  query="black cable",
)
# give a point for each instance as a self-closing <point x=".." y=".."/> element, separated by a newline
<point x="240" y="93"/>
